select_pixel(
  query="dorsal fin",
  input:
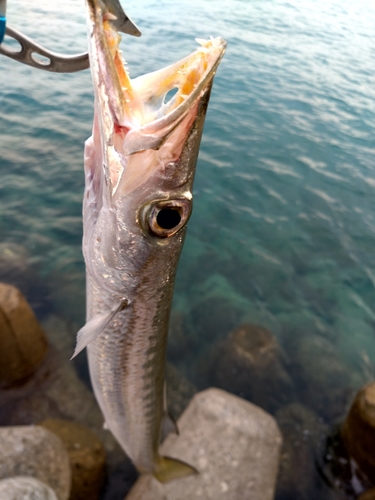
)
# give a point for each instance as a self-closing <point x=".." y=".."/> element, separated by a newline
<point x="168" y="426"/>
<point x="168" y="422"/>
<point x="93" y="328"/>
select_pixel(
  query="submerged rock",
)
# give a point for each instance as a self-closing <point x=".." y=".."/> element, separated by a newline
<point x="36" y="452"/>
<point x="216" y="309"/>
<point x="234" y="445"/>
<point x="358" y="431"/>
<point x="25" y="488"/>
<point x="251" y="364"/>
<point x="178" y="342"/>
<point x="67" y="292"/>
<point x="23" y="344"/>
<point x="20" y="269"/>
<point x="14" y="259"/>
<point x="323" y="380"/>
<point x="304" y="435"/>
<point x="86" y="455"/>
<point x="61" y="334"/>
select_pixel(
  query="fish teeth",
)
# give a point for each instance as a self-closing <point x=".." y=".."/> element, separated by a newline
<point x="202" y="41"/>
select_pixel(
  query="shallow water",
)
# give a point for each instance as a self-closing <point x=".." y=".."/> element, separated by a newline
<point x="283" y="229"/>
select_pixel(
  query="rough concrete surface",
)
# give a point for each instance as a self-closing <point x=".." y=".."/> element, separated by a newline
<point x="86" y="454"/>
<point x="234" y="444"/>
<point x="25" y="488"/>
<point x="36" y="452"/>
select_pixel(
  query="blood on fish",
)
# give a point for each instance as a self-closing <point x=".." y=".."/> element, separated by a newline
<point x="120" y="129"/>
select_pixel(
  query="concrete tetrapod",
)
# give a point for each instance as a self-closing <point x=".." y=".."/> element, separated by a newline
<point x="35" y="452"/>
<point x="234" y="444"/>
<point x="25" y="488"/>
<point x="22" y="340"/>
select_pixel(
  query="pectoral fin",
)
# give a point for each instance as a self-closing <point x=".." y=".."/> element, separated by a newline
<point x="172" y="468"/>
<point x="95" y="326"/>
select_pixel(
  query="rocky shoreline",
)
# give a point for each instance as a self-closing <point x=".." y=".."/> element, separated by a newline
<point x="268" y="440"/>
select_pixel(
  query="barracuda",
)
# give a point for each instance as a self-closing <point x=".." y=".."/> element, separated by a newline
<point x="139" y="170"/>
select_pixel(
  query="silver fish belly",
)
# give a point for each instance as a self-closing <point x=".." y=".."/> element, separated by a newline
<point x="139" y="170"/>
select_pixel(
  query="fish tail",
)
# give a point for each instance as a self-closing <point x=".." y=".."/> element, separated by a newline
<point x="168" y="469"/>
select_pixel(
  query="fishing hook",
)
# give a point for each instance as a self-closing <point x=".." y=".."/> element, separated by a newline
<point x="33" y="54"/>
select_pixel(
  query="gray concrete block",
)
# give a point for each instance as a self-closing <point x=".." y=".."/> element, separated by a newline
<point x="36" y="452"/>
<point x="234" y="444"/>
<point x="25" y="488"/>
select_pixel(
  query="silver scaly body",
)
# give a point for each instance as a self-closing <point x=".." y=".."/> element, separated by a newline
<point x="139" y="169"/>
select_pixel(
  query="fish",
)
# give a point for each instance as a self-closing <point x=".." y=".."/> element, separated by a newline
<point x="139" y="169"/>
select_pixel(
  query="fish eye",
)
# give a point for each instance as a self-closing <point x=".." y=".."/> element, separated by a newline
<point x="165" y="217"/>
<point x="169" y="218"/>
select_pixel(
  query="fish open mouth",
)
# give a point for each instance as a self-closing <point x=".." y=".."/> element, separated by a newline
<point x="153" y="97"/>
<point x="153" y="114"/>
<point x="151" y="105"/>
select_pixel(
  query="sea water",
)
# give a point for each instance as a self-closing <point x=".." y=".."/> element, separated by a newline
<point x="284" y="212"/>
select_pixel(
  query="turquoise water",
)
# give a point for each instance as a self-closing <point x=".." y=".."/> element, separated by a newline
<point x="283" y="229"/>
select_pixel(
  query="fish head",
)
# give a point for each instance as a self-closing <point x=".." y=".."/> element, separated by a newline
<point x="140" y="162"/>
